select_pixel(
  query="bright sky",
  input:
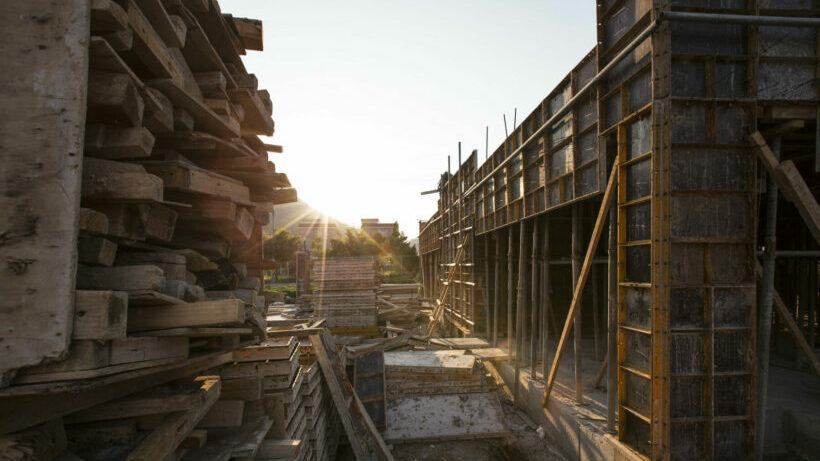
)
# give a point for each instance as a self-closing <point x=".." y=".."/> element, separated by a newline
<point x="370" y="96"/>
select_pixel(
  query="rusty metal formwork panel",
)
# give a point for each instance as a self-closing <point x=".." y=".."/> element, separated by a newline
<point x="677" y="113"/>
<point x="539" y="168"/>
<point x="440" y="240"/>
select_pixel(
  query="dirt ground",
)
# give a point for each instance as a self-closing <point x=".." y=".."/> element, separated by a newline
<point x="523" y="444"/>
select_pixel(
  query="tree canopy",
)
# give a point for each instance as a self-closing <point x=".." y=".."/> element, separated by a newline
<point x="282" y="246"/>
<point x="395" y="253"/>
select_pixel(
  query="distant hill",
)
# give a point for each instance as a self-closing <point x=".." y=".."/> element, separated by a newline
<point x="289" y="214"/>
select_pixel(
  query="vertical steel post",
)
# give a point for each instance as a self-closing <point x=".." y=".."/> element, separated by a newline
<point x="520" y="307"/>
<point x="547" y="297"/>
<point x="487" y="285"/>
<point x="510" y="291"/>
<point x="612" y="322"/>
<point x="496" y="291"/>
<point x="764" y="308"/>
<point x="534" y="302"/>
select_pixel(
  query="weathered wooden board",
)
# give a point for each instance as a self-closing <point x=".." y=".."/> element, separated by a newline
<point x="491" y="353"/>
<point x="429" y="362"/>
<point x="444" y="417"/>
<point x="461" y="343"/>
<point x="41" y="152"/>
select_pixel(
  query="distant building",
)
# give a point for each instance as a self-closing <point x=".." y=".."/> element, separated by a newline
<point x="373" y="227"/>
<point x="312" y="228"/>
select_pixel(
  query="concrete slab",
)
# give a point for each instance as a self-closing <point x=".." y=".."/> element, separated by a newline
<point x="444" y="417"/>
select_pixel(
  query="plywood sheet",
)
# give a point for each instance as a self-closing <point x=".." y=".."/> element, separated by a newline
<point x="429" y="362"/>
<point x="444" y="417"/>
<point x="461" y="343"/>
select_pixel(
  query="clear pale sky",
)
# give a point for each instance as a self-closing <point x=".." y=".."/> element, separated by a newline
<point x="369" y="97"/>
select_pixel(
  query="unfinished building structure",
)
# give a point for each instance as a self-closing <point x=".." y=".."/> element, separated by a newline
<point x="656" y="121"/>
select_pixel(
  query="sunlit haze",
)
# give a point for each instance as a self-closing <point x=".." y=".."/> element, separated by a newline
<point x="369" y="97"/>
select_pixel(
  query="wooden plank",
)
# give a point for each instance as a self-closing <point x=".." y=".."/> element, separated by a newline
<point x="149" y="48"/>
<point x="121" y="143"/>
<point x="165" y="438"/>
<point x="36" y="403"/>
<point x="113" y="97"/>
<point x="582" y="279"/>
<point x="42" y="130"/>
<point x="206" y="313"/>
<point x="267" y="350"/>
<point x="274" y="196"/>
<point x="445" y="417"/>
<point x="341" y="403"/>
<point x="143" y="348"/>
<point x="121" y="278"/>
<point x="194" y="332"/>
<point x="100" y="315"/>
<point x="250" y="32"/>
<point x="155" y="12"/>
<point x="97" y="251"/>
<point x="93" y="222"/>
<point x="204" y="118"/>
<point x="186" y="177"/>
<point x="172" y="397"/>
<point x="429" y="362"/>
<point x="274" y="449"/>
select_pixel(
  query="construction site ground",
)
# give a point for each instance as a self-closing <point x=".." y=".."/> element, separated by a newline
<point x="524" y="443"/>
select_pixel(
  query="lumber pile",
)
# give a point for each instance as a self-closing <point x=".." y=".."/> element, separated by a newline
<point x="346" y="293"/>
<point x="402" y="294"/>
<point x="176" y="187"/>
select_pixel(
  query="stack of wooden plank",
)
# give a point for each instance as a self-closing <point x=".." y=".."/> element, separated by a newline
<point x="401" y="294"/>
<point x="176" y="186"/>
<point x="346" y="292"/>
<point x="439" y="395"/>
<point x="433" y="372"/>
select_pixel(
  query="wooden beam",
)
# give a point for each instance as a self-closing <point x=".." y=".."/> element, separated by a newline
<point x="609" y="195"/>
<point x="205" y="313"/>
<point x="790" y="183"/>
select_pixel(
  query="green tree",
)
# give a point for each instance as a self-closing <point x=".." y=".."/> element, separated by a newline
<point x="397" y="258"/>
<point x="282" y="246"/>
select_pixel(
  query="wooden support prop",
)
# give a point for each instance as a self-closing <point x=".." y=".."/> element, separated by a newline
<point x="792" y="326"/>
<point x="343" y="396"/>
<point x="600" y="374"/>
<point x="790" y="183"/>
<point x="609" y="195"/>
<point x="438" y="309"/>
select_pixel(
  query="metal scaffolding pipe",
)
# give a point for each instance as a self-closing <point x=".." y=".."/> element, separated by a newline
<point x="721" y="18"/>
<point x="765" y="301"/>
